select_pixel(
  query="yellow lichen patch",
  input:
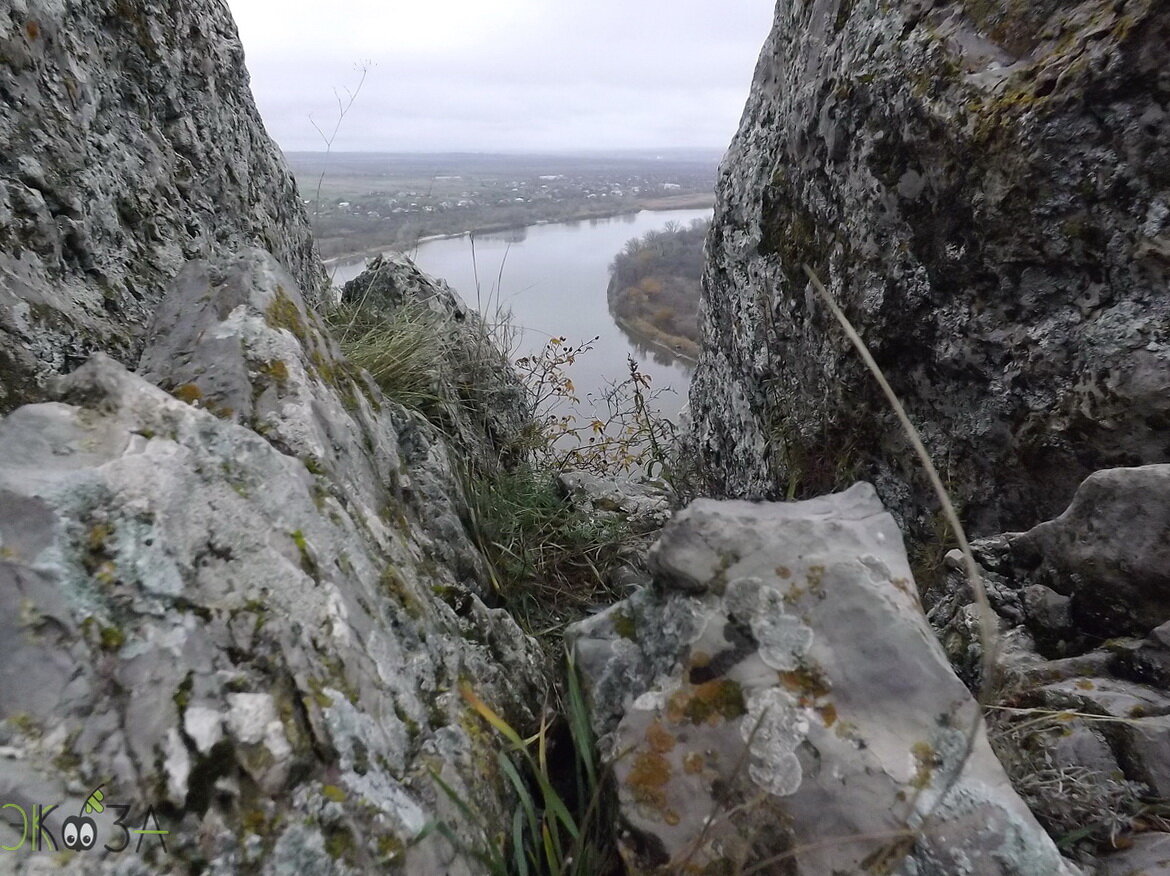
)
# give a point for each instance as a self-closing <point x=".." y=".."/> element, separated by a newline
<point x="903" y="585"/>
<point x="710" y="702"/>
<point x="847" y="730"/>
<point x="700" y="659"/>
<point x="816" y="577"/>
<point x="659" y="738"/>
<point x="671" y="817"/>
<point x="283" y="313"/>
<point x="648" y="776"/>
<point x="221" y="411"/>
<point x="783" y="572"/>
<point x="625" y="625"/>
<point x="693" y="763"/>
<point x="188" y="392"/>
<point x="806" y="681"/>
<point x="927" y="759"/>
<point x="395" y="585"/>
<point x="1085" y="684"/>
<point x="828" y="713"/>
<point x="254" y="821"/>
<point x="275" y="369"/>
<point x="322" y="699"/>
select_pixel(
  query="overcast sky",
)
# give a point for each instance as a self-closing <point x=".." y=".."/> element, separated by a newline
<point x="496" y="75"/>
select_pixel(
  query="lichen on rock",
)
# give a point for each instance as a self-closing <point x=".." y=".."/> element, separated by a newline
<point x="804" y="697"/>
<point x="982" y="187"/>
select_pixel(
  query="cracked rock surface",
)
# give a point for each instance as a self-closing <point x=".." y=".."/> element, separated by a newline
<point x="227" y="601"/>
<point x="129" y="144"/>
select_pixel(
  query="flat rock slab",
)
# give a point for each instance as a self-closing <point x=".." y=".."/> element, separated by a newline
<point x="777" y="698"/>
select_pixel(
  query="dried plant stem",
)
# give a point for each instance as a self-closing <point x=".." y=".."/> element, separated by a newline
<point x="987" y="628"/>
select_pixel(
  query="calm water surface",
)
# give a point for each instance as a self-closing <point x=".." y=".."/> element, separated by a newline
<point x="553" y="279"/>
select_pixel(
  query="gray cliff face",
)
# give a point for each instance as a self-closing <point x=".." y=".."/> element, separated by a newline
<point x="985" y="189"/>
<point x="236" y="583"/>
<point x="129" y="143"/>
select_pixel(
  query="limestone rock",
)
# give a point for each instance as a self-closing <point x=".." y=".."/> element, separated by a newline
<point x="236" y="338"/>
<point x="1108" y="552"/>
<point x="493" y="411"/>
<point x="645" y="505"/>
<point x="983" y="188"/>
<point x="222" y="600"/>
<point x="129" y="144"/>
<point x="779" y="686"/>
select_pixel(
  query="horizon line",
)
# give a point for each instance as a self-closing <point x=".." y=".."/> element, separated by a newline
<point x="546" y="151"/>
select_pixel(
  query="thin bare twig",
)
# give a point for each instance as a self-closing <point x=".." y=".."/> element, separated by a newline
<point x="343" y="108"/>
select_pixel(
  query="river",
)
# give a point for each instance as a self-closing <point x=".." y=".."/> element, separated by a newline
<point x="553" y="279"/>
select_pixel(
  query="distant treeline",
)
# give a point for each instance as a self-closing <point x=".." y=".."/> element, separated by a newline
<point x="654" y="285"/>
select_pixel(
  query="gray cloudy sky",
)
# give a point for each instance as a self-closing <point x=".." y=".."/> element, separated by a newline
<point x="485" y="75"/>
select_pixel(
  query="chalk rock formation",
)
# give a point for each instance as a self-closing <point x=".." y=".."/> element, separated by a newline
<point x="226" y="601"/>
<point x="984" y="189"/>
<point x="777" y="695"/>
<point x="129" y="144"/>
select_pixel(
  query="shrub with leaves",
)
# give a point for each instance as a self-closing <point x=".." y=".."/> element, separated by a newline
<point x="623" y="434"/>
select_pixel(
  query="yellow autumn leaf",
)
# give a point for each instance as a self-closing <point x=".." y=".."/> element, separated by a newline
<point x="489" y="714"/>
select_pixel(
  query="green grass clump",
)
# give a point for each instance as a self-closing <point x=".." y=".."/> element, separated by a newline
<point x="562" y="821"/>
<point x="403" y="350"/>
<point x="549" y="559"/>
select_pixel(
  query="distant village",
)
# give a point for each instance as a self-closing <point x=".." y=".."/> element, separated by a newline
<point x="358" y="203"/>
<point x="490" y="193"/>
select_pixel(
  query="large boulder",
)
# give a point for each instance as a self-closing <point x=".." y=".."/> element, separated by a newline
<point x="130" y="145"/>
<point x="984" y="188"/>
<point x="777" y="699"/>
<point x="1108" y="553"/>
<point x="248" y="602"/>
<point x="1099" y="571"/>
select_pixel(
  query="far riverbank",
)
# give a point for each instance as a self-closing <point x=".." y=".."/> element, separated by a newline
<point x="657" y="205"/>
